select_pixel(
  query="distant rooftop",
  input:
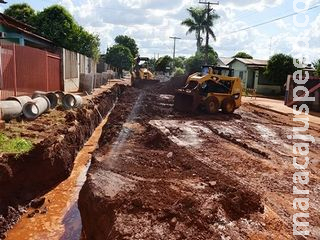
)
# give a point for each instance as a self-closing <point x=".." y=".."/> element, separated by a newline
<point x="256" y="62"/>
<point x="226" y="60"/>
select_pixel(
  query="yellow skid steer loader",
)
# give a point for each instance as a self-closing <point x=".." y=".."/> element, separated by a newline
<point x="209" y="91"/>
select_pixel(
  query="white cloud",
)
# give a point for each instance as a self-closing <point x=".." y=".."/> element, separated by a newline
<point x="152" y="22"/>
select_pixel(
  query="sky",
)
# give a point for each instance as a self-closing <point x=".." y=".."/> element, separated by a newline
<point x="152" y="22"/>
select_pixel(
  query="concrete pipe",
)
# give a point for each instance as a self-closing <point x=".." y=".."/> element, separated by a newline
<point x="52" y="96"/>
<point x="72" y="101"/>
<point x="97" y="80"/>
<point x="105" y="78"/>
<point x="10" y="109"/>
<point x="87" y="82"/>
<point x="33" y="109"/>
<point x="22" y="100"/>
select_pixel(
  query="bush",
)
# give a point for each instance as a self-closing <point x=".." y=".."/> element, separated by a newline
<point x="179" y="72"/>
<point x="194" y="63"/>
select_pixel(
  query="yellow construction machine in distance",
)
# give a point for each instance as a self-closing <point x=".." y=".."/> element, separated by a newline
<point x="141" y="76"/>
<point x="209" y="91"/>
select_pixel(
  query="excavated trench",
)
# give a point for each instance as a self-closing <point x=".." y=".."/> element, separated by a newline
<point x="26" y="177"/>
<point x="158" y="174"/>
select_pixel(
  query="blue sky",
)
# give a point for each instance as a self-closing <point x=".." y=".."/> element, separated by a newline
<point x="152" y="22"/>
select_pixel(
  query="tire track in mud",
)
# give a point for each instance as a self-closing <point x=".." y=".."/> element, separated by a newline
<point x="238" y="142"/>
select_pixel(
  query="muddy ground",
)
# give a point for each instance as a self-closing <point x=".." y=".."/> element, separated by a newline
<point x="159" y="174"/>
<point x="57" y="137"/>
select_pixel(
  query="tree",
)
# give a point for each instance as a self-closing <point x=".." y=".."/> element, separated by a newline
<point x="162" y="63"/>
<point x="197" y="22"/>
<point x="22" y="12"/>
<point x="210" y="51"/>
<point x="316" y="65"/>
<point x="120" y="57"/>
<point x="194" y="63"/>
<point x="58" y="25"/>
<point x="279" y="67"/>
<point x="243" y="55"/>
<point x="129" y="43"/>
<point x="179" y="62"/>
<point x="86" y="43"/>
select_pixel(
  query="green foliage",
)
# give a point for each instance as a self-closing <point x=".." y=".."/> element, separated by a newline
<point x="279" y="67"/>
<point x="316" y="65"/>
<point x="179" y="62"/>
<point x="15" y="145"/>
<point x="243" y="55"/>
<point x="162" y="63"/>
<point x="58" y="25"/>
<point x="179" y="71"/>
<point x="129" y="43"/>
<point x="152" y="64"/>
<point x="22" y="12"/>
<point x="120" y="57"/>
<point x="194" y="63"/>
<point x="210" y="51"/>
<point x="197" y="23"/>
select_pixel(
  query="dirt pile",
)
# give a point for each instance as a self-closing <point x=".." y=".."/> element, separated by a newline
<point x="143" y="185"/>
<point x="172" y="85"/>
<point x="28" y="176"/>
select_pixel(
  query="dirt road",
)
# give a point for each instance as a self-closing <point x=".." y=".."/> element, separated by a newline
<point x="162" y="175"/>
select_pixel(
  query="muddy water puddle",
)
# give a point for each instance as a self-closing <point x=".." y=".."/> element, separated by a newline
<point x="62" y="218"/>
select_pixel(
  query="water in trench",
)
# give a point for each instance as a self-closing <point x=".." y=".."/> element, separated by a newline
<point x="62" y="220"/>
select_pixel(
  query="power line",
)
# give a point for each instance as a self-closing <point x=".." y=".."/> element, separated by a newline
<point x="273" y="20"/>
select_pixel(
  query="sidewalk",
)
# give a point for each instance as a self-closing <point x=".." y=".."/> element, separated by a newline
<point x="278" y="106"/>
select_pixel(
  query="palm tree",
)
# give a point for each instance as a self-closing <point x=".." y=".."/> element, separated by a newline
<point x="197" y="22"/>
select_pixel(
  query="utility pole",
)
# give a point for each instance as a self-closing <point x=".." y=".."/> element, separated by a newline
<point x="209" y="9"/>
<point x="174" y="45"/>
<point x="174" y="50"/>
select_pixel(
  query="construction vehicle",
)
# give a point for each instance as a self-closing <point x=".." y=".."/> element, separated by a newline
<point x="141" y="76"/>
<point x="209" y="91"/>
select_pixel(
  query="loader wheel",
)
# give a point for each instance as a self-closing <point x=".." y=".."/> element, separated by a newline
<point x="212" y="105"/>
<point x="228" y="106"/>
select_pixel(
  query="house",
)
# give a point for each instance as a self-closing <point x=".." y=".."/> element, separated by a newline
<point x="14" y="31"/>
<point x="251" y="73"/>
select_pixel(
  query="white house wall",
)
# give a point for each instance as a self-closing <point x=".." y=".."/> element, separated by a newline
<point x="239" y="67"/>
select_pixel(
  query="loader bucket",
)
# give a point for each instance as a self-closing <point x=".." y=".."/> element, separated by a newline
<point x="186" y="101"/>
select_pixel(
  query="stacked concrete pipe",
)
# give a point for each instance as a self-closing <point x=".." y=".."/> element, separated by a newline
<point x="52" y="96"/>
<point x="12" y="107"/>
<point x="70" y="101"/>
<point x="87" y="82"/>
<point x="105" y="78"/>
<point x="33" y="109"/>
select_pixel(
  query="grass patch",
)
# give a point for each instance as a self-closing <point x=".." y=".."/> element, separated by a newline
<point x="16" y="145"/>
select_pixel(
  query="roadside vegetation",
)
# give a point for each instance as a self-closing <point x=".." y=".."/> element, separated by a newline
<point x="15" y="145"/>
<point x="57" y="24"/>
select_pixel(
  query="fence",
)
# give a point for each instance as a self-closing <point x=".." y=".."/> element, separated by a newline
<point x="313" y="86"/>
<point x="24" y="70"/>
<point x="73" y="65"/>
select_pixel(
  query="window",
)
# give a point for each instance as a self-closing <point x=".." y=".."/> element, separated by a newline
<point x="241" y="75"/>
